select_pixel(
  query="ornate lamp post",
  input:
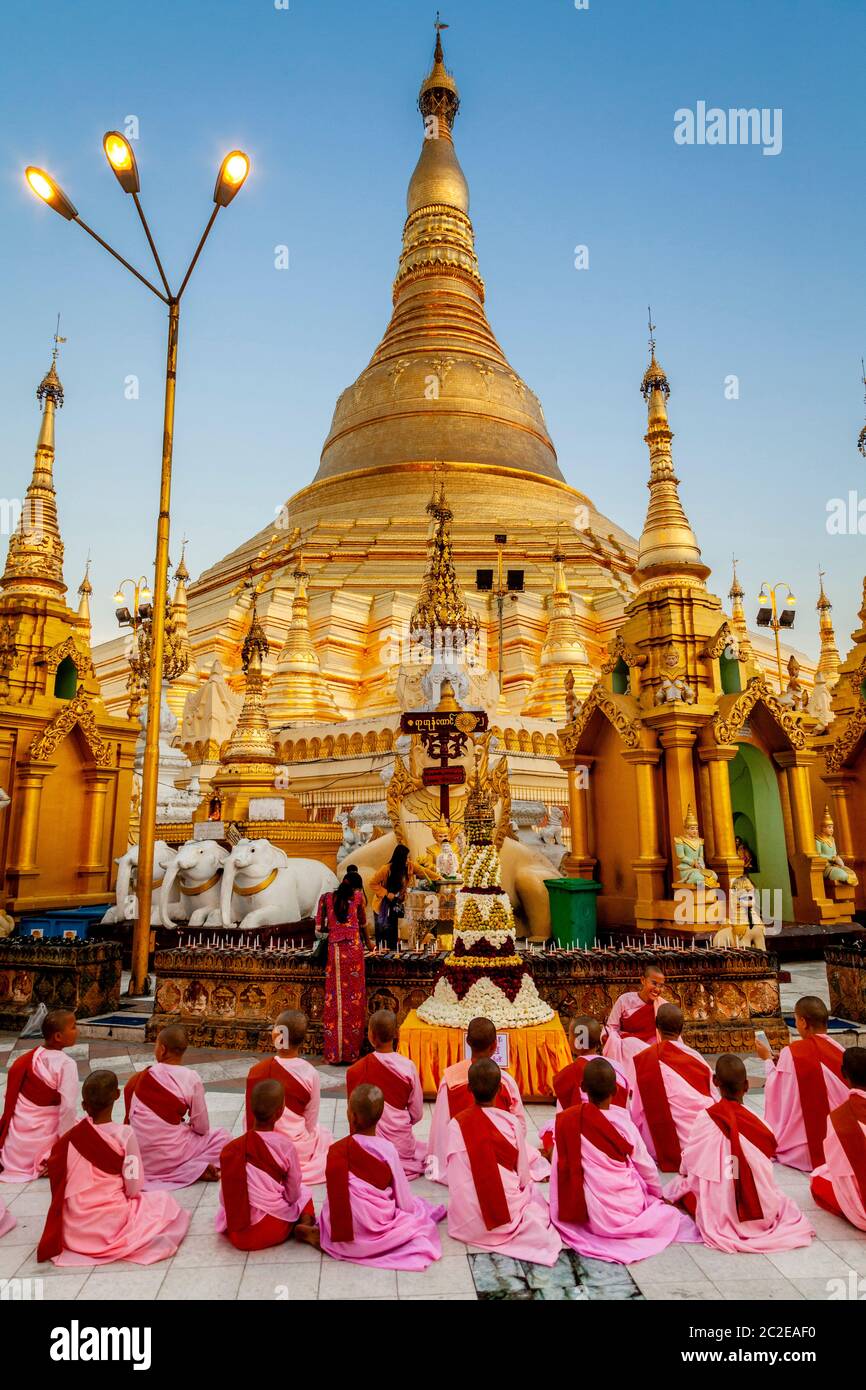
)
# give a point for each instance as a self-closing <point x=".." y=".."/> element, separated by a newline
<point x="770" y="615"/>
<point x="230" y="179"/>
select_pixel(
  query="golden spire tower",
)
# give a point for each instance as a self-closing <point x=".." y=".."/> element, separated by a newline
<point x="251" y="742"/>
<point x="739" y="626"/>
<point x="563" y="651"/>
<point x="177" y="634"/>
<point x="667" y="543"/>
<point x="85" y="591"/>
<point x="438" y="375"/>
<point x="829" y="662"/>
<point x="296" y="690"/>
<point x="34" y="563"/>
<point x="441" y="603"/>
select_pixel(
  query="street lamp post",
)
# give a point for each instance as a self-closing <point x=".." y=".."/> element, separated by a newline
<point x="769" y="615"/>
<point x="231" y="177"/>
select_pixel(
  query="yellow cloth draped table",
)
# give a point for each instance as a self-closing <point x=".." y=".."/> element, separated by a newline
<point x="535" y="1054"/>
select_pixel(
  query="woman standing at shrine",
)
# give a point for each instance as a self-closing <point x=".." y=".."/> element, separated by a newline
<point x="342" y="916"/>
<point x="388" y="888"/>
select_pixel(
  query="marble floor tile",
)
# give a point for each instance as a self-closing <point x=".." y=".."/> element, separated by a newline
<point x="207" y="1252"/>
<point x="132" y="1286"/>
<point x="717" y="1264"/>
<point x="696" y="1290"/>
<point x="201" y="1284"/>
<point x="812" y="1261"/>
<point x="772" y="1290"/>
<point x="339" y="1279"/>
<point x="675" y="1263"/>
<point x="291" y="1252"/>
<point x="280" y="1285"/>
<point x="451" y="1274"/>
<point x="852" y="1252"/>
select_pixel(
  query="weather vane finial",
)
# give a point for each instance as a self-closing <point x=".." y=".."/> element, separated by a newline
<point x="57" y="341"/>
<point x="439" y="25"/>
<point x="652" y="330"/>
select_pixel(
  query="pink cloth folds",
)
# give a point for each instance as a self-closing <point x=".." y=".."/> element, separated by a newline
<point x="783" y="1110"/>
<point x="398" y="1125"/>
<point x="176" y="1155"/>
<point x="285" y="1200"/>
<point x="311" y="1140"/>
<point x="685" y="1102"/>
<point x="529" y="1235"/>
<point x="546" y="1134"/>
<point x="437" y="1151"/>
<point x="628" y="1216"/>
<point x="393" y="1228"/>
<point x="707" y="1174"/>
<point x="108" y="1218"/>
<point x="34" y="1129"/>
<point x="621" y="1049"/>
<point x="836" y="1169"/>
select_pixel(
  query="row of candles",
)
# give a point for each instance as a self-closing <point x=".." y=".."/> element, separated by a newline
<point x="244" y="941"/>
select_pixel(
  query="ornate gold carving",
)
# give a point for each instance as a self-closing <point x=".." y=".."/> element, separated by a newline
<point x="77" y="711"/>
<point x="725" y="638"/>
<point x="838" y="752"/>
<point x="79" y="654"/>
<point x="756" y="692"/>
<point x="617" y="647"/>
<point x="600" y="699"/>
<point x="400" y="785"/>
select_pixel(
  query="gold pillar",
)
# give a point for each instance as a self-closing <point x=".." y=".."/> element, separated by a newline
<point x="29" y="781"/>
<point x="785" y="803"/>
<point x="579" y="862"/>
<point x="840" y="786"/>
<point x="719" y="812"/>
<point x="93" y="858"/>
<point x="678" y="742"/>
<point x="650" y="866"/>
<point x="813" y="900"/>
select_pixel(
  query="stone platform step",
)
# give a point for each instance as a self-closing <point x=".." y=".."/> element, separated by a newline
<point x="127" y="1023"/>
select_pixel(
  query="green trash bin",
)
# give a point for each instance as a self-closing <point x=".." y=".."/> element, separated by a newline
<point x="573" y="911"/>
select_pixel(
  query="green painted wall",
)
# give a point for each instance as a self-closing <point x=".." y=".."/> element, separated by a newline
<point x="758" y="820"/>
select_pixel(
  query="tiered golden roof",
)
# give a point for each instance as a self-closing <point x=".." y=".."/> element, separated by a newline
<point x="441" y="603"/>
<point x="251" y="741"/>
<point x="34" y="562"/>
<point x="830" y="661"/>
<point x="439" y="384"/>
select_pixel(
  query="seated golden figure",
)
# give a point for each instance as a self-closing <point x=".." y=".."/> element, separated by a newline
<point x="692" y="871"/>
<point x="835" y="868"/>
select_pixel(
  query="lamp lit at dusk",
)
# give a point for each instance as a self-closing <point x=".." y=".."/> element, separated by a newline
<point x="231" y="177"/>
<point x="118" y="152"/>
<point x="44" y="187"/>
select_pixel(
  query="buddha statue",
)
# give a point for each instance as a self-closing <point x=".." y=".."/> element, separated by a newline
<point x="692" y="871"/>
<point x="835" y="868"/>
<point x="440" y="861"/>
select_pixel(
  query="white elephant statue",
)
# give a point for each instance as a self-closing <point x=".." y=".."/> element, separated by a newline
<point x="263" y="887"/>
<point x="126" y="903"/>
<point x="191" y="887"/>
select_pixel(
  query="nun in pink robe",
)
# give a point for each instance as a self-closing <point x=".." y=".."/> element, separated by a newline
<point x="311" y="1140"/>
<point x="546" y="1133"/>
<point x="707" y="1185"/>
<point x="393" y="1229"/>
<point x="618" y="1047"/>
<point x="529" y="1234"/>
<point x="7" y="1220"/>
<point x="283" y="1200"/>
<point x="34" y="1129"/>
<point x="456" y="1078"/>
<point x="837" y="1170"/>
<point x="783" y="1108"/>
<point x="684" y="1100"/>
<point x="108" y="1217"/>
<point x="628" y="1216"/>
<point x="176" y="1155"/>
<point x="397" y="1124"/>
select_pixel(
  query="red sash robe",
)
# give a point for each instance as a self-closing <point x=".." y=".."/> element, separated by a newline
<point x="86" y="1138"/>
<point x="155" y="1096"/>
<point x="22" y="1081"/>
<point x="640" y="1024"/>
<point x="736" y="1121"/>
<point x="582" y="1121"/>
<point x="567" y="1084"/>
<point x="395" y="1088"/>
<point x="297" y="1097"/>
<point x="269" y="1230"/>
<point x="650" y="1082"/>
<point x="345" y="1157"/>
<point x="809" y="1056"/>
<point x="488" y="1150"/>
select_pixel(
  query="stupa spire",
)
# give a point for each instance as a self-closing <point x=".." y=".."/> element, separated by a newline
<point x="85" y="590"/>
<point x="861" y="439"/>
<point x="829" y="661"/>
<point x="251" y="741"/>
<point x="296" y="689"/>
<point x="563" y="651"/>
<point x="667" y="543"/>
<point x="34" y="562"/>
<point x="736" y="594"/>
<point x="441" y="603"/>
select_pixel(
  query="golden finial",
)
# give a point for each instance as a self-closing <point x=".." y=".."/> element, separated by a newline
<point x="441" y="603"/>
<point x="50" y="386"/>
<point x="255" y="645"/>
<point x="736" y="590"/>
<point x="861" y="440"/>
<point x="181" y="574"/>
<point x="439" y="95"/>
<point x="654" y="378"/>
<point x="829" y="662"/>
<point x="85" y="589"/>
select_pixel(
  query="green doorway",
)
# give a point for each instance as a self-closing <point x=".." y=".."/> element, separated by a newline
<point x="758" y="821"/>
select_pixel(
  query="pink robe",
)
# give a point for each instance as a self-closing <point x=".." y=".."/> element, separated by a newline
<point x="311" y="1140"/>
<point x="784" y="1113"/>
<point x="34" y="1129"/>
<point x="285" y="1200"/>
<point x="836" y="1169"/>
<point x="706" y="1173"/>
<point x="7" y="1220"/>
<point x="176" y="1155"/>
<point x="108" y="1217"/>
<point x="397" y="1125"/>
<point x="685" y="1102"/>
<point x="628" y="1216"/>
<point x="529" y="1234"/>
<point x="393" y="1228"/>
<point x="621" y="1049"/>
<point x="546" y="1134"/>
<point x="539" y="1168"/>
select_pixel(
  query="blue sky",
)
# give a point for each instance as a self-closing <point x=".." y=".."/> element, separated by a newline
<point x="753" y="264"/>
